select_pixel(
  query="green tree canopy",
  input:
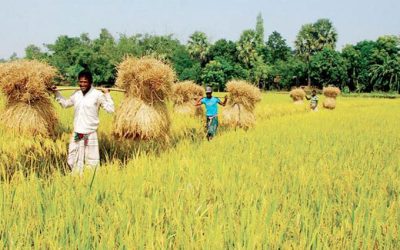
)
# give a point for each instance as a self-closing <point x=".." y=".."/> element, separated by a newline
<point x="328" y="68"/>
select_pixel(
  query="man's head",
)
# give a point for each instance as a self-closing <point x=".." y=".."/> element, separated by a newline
<point x="85" y="80"/>
<point x="208" y="92"/>
<point x="314" y="92"/>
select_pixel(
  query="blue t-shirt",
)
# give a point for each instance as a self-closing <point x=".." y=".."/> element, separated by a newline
<point x="211" y="105"/>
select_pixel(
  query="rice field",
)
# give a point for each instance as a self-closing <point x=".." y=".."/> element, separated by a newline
<point x="298" y="179"/>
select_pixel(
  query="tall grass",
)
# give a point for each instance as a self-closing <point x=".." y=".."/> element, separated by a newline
<point x="297" y="180"/>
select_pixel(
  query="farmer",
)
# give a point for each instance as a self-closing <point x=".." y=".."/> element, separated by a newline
<point x="83" y="147"/>
<point x="314" y="100"/>
<point x="211" y="104"/>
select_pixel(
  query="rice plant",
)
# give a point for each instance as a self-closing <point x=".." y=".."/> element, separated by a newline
<point x="297" y="179"/>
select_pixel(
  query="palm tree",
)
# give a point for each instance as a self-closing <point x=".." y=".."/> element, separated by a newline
<point x="247" y="47"/>
<point x="198" y="47"/>
<point x="313" y="38"/>
<point x="387" y="74"/>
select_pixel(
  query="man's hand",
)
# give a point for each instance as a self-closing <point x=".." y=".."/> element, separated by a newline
<point x="225" y="100"/>
<point x="198" y="102"/>
<point x="53" y="88"/>
<point x="105" y="90"/>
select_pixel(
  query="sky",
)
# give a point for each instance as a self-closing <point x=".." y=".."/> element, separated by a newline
<point x="25" y="22"/>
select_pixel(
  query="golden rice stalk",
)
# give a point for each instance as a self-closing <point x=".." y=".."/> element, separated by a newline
<point x="237" y="116"/>
<point x="136" y="119"/>
<point x="145" y="78"/>
<point x="241" y="103"/>
<point x="26" y="81"/>
<point x="329" y="103"/>
<point x="38" y="118"/>
<point x="186" y="91"/>
<point x="331" y="91"/>
<point x="242" y="92"/>
<point x="297" y="94"/>
<point x="185" y="95"/>
<point x="188" y="108"/>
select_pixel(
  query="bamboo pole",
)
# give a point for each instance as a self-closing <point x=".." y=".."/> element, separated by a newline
<point x="77" y="88"/>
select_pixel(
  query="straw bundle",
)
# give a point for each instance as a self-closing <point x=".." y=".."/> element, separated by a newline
<point x="330" y="97"/>
<point x="145" y="78"/>
<point x="136" y="119"/>
<point x="28" y="107"/>
<point x="185" y="95"/>
<point x="297" y="94"/>
<point x="241" y="103"/>
<point x="143" y="113"/>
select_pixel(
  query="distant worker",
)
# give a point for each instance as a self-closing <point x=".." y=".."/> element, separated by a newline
<point x="211" y="104"/>
<point x="84" y="147"/>
<point x="314" y="100"/>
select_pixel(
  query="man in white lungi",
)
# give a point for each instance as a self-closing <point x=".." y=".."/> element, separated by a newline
<point x="84" y="148"/>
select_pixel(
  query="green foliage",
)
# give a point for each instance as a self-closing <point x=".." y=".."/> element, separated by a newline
<point x="328" y="68"/>
<point x="373" y="65"/>
<point x="219" y="71"/>
<point x="292" y="72"/>
<point x="276" y="48"/>
<point x="185" y="67"/>
<point x="34" y="52"/>
<point x="224" y="48"/>
<point x="198" y="46"/>
<point x="314" y="37"/>
<point x="260" y="29"/>
<point x="367" y="66"/>
<point x="386" y="76"/>
<point x="247" y="47"/>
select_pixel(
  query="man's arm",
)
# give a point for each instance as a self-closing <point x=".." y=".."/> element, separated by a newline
<point x="198" y="102"/>
<point x="308" y="98"/>
<point x="65" y="103"/>
<point x="106" y="102"/>
<point x="224" y="102"/>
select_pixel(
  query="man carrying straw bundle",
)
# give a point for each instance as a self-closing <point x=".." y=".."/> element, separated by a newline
<point x="314" y="100"/>
<point x="84" y="147"/>
<point x="211" y="104"/>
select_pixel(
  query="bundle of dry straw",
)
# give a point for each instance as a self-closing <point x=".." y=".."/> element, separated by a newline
<point x="26" y="85"/>
<point x="297" y="94"/>
<point x="184" y="97"/>
<point x="143" y="112"/>
<point x="330" y="97"/>
<point x="241" y="103"/>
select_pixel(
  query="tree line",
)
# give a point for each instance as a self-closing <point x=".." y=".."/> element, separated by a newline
<point x="271" y="64"/>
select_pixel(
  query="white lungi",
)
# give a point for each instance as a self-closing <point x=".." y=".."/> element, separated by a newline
<point x="83" y="153"/>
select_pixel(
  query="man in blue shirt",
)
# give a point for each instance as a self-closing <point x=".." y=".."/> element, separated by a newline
<point x="211" y="104"/>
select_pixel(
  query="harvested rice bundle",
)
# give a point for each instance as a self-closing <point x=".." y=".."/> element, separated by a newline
<point x="34" y="119"/>
<point x="237" y="115"/>
<point x="297" y="94"/>
<point x="185" y="95"/>
<point x="241" y="103"/>
<point x="143" y="113"/>
<point x="26" y="81"/>
<point x="145" y="78"/>
<point x="28" y="106"/>
<point x="330" y="97"/>
<point x="244" y="93"/>
<point x="135" y="119"/>
<point x="331" y="92"/>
